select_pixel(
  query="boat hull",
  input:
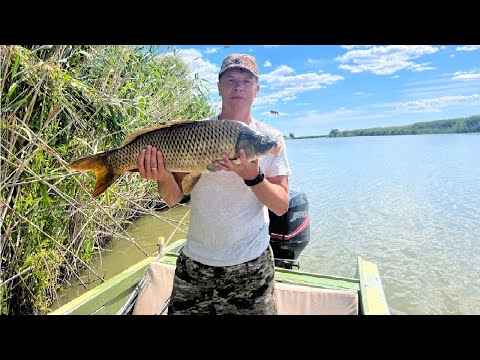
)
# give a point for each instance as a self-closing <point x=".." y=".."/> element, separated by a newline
<point x="109" y="297"/>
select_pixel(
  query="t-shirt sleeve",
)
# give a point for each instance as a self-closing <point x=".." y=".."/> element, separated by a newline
<point x="278" y="164"/>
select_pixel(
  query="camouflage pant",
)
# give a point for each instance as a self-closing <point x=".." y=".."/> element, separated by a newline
<point x="243" y="289"/>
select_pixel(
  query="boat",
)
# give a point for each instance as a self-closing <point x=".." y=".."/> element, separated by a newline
<point x="145" y="287"/>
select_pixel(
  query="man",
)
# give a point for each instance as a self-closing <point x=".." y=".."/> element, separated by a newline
<point x="227" y="266"/>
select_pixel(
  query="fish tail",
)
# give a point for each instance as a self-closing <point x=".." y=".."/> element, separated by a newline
<point x="105" y="176"/>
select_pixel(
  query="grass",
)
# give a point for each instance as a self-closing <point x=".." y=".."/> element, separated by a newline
<point x="59" y="103"/>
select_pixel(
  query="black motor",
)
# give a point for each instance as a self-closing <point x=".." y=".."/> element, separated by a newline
<point x="290" y="233"/>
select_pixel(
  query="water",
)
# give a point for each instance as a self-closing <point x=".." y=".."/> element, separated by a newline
<point x="408" y="203"/>
<point x="119" y="254"/>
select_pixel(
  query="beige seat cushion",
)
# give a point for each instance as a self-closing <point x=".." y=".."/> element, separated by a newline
<point x="157" y="289"/>
<point x="302" y="300"/>
<point x="291" y="299"/>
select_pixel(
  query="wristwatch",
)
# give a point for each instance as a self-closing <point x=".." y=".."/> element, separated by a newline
<point x="257" y="180"/>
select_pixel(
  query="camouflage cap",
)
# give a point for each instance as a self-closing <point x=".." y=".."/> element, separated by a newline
<point x="243" y="61"/>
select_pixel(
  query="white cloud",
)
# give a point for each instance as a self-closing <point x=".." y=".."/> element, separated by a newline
<point x="468" y="48"/>
<point x="421" y="67"/>
<point x="349" y="47"/>
<point x="437" y="104"/>
<point x="201" y="66"/>
<point x="385" y="60"/>
<point x="211" y="50"/>
<point x="317" y="122"/>
<point x="267" y="64"/>
<point x="461" y="75"/>
<point x="282" y="84"/>
<point x="283" y="76"/>
<point x="440" y="86"/>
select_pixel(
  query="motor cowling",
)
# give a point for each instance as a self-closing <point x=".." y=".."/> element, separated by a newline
<point x="290" y="233"/>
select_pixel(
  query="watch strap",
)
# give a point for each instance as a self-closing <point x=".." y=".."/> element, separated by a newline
<point x="257" y="180"/>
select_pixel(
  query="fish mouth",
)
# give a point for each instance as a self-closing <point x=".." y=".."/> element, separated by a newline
<point x="276" y="149"/>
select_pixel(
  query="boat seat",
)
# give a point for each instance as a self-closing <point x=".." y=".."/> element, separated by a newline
<point x="291" y="299"/>
<point x="295" y="299"/>
<point x="157" y="289"/>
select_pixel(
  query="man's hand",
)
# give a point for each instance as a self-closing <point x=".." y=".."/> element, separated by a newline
<point x="150" y="164"/>
<point x="247" y="170"/>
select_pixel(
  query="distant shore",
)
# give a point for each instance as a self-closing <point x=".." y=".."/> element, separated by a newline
<point x="305" y="137"/>
<point x="451" y="126"/>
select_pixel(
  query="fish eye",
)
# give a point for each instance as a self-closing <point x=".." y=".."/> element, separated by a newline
<point x="263" y="140"/>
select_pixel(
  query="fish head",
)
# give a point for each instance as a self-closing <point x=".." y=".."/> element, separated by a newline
<point x="256" y="144"/>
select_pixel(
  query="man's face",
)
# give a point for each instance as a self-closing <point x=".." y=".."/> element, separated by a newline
<point x="238" y="88"/>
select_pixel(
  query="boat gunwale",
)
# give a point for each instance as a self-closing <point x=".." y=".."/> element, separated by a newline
<point x="371" y="295"/>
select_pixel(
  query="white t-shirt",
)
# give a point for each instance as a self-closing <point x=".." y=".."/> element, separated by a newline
<point x="228" y="224"/>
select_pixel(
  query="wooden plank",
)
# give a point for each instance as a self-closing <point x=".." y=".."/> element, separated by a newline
<point x="316" y="280"/>
<point x="373" y="301"/>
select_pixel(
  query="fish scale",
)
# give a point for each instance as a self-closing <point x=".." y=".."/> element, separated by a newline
<point x="191" y="146"/>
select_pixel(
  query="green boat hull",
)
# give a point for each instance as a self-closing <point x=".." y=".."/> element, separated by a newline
<point x="109" y="297"/>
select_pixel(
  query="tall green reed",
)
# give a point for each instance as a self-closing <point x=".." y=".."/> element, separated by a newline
<point x="58" y="103"/>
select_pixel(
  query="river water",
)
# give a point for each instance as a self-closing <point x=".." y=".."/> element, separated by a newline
<point x="408" y="203"/>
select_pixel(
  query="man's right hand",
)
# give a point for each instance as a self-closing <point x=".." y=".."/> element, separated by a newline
<point x="150" y="164"/>
<point x="151" y="167"/>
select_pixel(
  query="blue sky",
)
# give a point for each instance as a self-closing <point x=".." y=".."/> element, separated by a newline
<point x="316" y="88"/>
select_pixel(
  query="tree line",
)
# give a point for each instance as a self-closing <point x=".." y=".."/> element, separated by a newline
<point x="459" y="125"/>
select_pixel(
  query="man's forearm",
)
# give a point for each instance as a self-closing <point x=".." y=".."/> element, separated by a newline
<point x="170" y="190"/>
<point x="273" y="195"/>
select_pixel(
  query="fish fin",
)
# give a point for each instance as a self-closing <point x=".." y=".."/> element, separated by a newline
<point x="137" y="133"/>
<point x="212" y="167"/>
<point x="103" y="172"/>
<point x="189" y="182"/>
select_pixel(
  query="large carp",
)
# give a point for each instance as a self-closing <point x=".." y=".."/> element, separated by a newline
<point x="191" y="146"/>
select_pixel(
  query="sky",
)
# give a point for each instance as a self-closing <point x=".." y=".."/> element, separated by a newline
<point x="317" y="88"/>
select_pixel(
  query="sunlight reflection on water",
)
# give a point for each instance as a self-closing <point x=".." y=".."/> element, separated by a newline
<point x="407" y="203"/>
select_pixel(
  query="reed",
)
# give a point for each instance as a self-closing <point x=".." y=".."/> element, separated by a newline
<point x="59" y="103"/>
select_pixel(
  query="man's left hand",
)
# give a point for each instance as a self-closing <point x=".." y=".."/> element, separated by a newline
<point x="247" y="170"/>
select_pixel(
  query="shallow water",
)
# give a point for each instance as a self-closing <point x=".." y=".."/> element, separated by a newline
<point x="407" y="203"/>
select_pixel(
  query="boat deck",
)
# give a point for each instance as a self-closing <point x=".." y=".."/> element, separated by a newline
<point x="309" y="292"/>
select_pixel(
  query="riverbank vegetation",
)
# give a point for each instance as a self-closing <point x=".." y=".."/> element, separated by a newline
<point x="59" y="103"/>
<point x="459" y="125"/>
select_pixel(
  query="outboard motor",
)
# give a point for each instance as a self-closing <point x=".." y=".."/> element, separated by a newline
<point x="290" y="233"/>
